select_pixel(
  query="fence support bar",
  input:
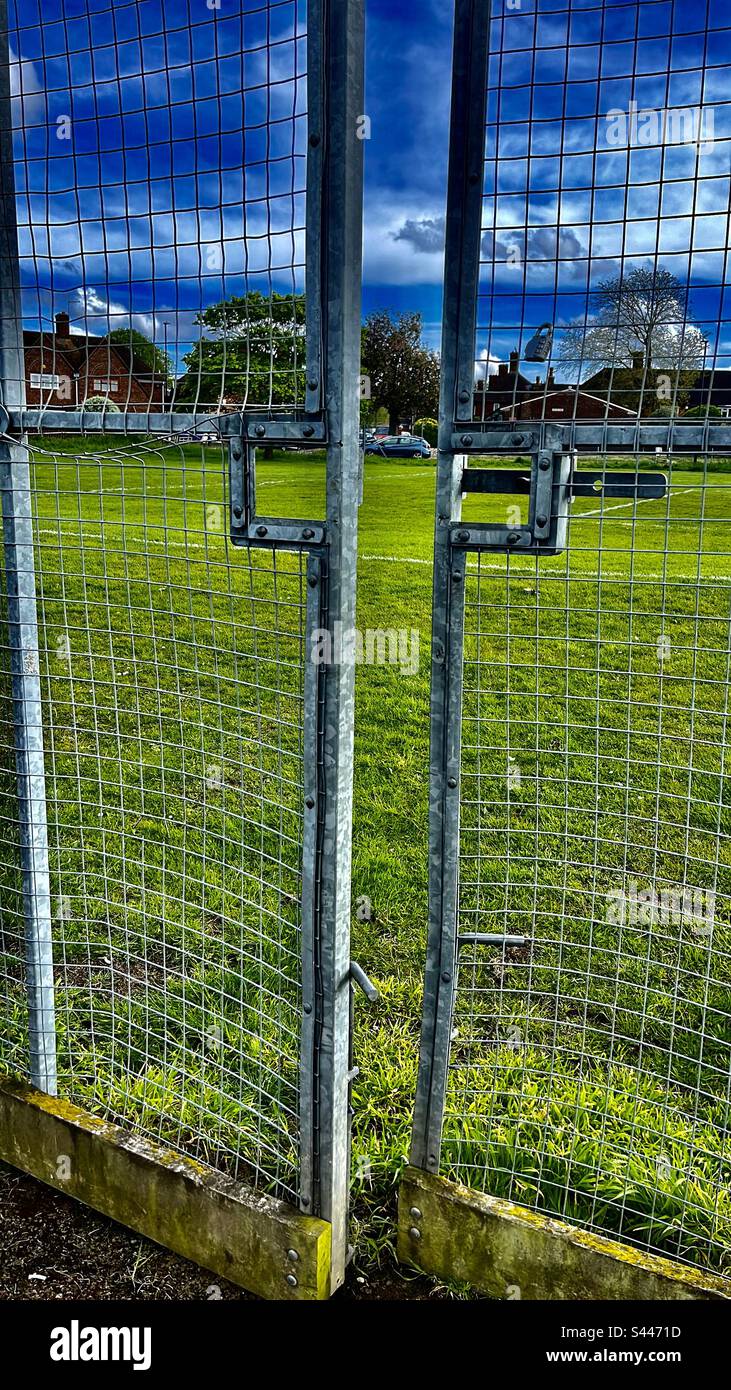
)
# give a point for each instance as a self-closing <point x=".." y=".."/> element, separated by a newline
<point x="22" y="621"/>
<point x="341" y="250"/>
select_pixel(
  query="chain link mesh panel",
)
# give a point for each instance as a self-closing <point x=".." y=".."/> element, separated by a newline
<point x="160" y="165"/>
<point x="172" y="672"/>
<point x="577" y="1024"/>
<point x="160" y="162"/>
<point x="591" y="1061"/>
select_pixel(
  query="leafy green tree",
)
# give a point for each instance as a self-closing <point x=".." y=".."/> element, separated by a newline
<point x="403" y="374"/>
<point x="159" y="363"/>
<point x="252" y="352"/>
<point x="428" y="429"/>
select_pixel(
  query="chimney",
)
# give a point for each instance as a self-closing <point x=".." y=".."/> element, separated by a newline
<point x="502" y="369"/>
<point x="638" y="361"/>
<point x="551" y="380"/>
<point x="63" y="326"/>
<point x="514" y="360"/>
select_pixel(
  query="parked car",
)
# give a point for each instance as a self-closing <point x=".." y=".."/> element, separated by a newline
<point x="399" y="446"/>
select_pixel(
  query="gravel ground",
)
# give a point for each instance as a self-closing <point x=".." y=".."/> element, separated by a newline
<point x="53" y="1248"/>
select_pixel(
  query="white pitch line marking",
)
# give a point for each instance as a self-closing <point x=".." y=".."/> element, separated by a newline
<point x="635" y="502"/>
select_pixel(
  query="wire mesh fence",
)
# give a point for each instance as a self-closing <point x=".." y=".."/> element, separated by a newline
<point x="160" y="164"/>
<point x="590" y="1065"/>
<point x="172" y="672"/>
<point x="575" y="1051"/>
<point x="602" y="278"/>
<point x="160" y="885"/>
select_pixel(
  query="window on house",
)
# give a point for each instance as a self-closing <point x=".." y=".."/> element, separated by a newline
<point x="45" y="381"/>
<point x="108" y="386"/>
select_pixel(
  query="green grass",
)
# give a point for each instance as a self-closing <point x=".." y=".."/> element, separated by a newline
<point x="596" y="1057"/>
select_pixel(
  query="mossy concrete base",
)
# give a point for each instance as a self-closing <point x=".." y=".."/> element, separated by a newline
<point x="252" y="1239"/>
<point x="510" y="1252"/>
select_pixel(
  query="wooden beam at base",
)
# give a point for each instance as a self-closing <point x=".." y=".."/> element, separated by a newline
<point x="509" y="1252"/>
<point x="245" y="1236"/>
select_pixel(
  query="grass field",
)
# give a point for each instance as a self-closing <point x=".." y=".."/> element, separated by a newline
<point x="596" y="704"/>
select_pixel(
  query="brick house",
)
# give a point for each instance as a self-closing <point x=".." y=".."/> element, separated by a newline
<point x="712" y="388"/>
<point x="566" y="403"/>
<point x="501" y="390"/>
<point x="63" y="369"/>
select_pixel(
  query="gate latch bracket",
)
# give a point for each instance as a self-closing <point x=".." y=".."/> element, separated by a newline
<point x="551" y="483"/>
<point x="246" y="527"/>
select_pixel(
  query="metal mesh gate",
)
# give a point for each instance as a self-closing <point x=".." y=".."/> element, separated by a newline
<point x="174" y="952"/>
<point x="172" y="677"/>
<point x="577" y="1020"/>
<point x="590" y="1065"/>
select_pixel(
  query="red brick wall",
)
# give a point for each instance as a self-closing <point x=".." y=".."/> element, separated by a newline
<point x="569" y="405"/>
<point x="47" y="362"/>
<point x="103" y="363"/>
<point x="106" y="364"/>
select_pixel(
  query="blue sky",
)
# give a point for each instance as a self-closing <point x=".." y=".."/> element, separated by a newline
<point x="157" y="202"/>
<point x="408" y="82"/>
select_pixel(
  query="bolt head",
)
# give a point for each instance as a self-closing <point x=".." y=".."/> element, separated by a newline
<point x="467" y="439"/>
<point x="415" y="1213"/>
<point x="513" y="538"/>
<point x="541" y="520"/>
<point x="260" y="431"/>
<point x="415" y="1233"/>
<point x="463" y="535"/>
<point x="238" y="513"/>
<point x="451" y="781"/>
<point x="293" y="1255"/>
<point x="312" y="385"/>
<point x="457" y="577"/>
<point x="262" y="531"/>
<point x="544" y="465"/>
<point x="292" y="1281"/>
<point x="309" y="802"/>
<point x="308" y="431"/>
<point x="464" y="397"/>
<point x="307" y="534"/>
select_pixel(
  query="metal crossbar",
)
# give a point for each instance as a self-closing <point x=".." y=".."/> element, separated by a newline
<point x="575" y="1045"/>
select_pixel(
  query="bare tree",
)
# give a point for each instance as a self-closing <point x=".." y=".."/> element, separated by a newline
<point x="639" y="318"/>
